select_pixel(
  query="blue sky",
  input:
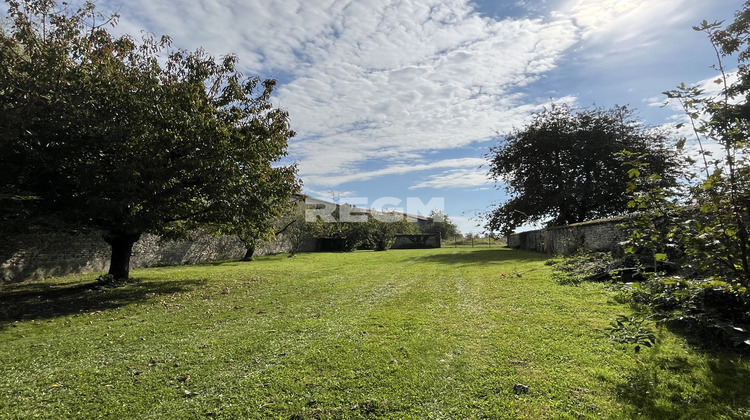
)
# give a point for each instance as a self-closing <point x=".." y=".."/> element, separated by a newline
<point x="404" y="98"/>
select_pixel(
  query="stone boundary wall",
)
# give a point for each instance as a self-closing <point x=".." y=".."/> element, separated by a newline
<point x="39" y="255"/>
<point x="597" y="235"/>
<point x="27" y="257"/>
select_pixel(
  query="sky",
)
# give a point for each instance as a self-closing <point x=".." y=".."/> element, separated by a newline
<point x="397" y="102"/>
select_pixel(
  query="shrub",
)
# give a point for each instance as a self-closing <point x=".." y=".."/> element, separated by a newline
<point x="573" y="269"/>
<point x="630" y="330"/>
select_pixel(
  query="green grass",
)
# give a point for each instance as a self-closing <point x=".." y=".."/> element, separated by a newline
<point x="397" y="334"/>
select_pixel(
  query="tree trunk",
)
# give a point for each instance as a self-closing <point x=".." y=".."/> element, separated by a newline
<point x="249" y="254"/>
<point x="122" y="248"/>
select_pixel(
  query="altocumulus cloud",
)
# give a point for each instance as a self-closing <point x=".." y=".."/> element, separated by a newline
<point x="414" y="77"/>
<point x="370" y="80"/>
<point x="398" y="169"/>
<point x="377" y="87"/>
<point x="455" y="178"/>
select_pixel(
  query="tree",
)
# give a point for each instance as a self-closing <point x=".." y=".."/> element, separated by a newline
<point x="713" y="237"/>
<point x="352" y="228"/>
<point x="292" y="227"/>
<point x="438" y="222"/>
<point x="563" y="167"/>
<point x="382" y="227"/>
<point x="708" y="240"/>
<point x="123" y="136"/>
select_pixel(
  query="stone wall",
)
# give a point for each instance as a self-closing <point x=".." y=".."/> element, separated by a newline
<point x="597" y="235"/>
<point x="283" y="243"/>
<point x="36" y="256"/>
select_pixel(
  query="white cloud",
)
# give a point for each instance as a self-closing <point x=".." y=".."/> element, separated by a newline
<point x="597" y="16"/>
<point x="438" y="78"/>
<point x="626" y="30"/>
<point x="371" y="79"/>
<point x="388" y="82"/>
<point x="392" y="170"/>
<point x="456" y="178"/>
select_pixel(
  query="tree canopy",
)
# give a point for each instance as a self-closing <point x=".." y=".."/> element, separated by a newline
<point x="128" y="137"/>
<point x="563" y="167"/>
<point x="438" y="222"/>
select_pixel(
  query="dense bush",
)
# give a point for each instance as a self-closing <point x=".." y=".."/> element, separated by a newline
<point x="700" y="228"/>
<point x="376" y="233"/>
<point x="581" y="266"/>
<point x="715" y="312"/>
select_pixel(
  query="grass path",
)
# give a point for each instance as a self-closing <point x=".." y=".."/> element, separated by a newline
<point x="398" y="334"/>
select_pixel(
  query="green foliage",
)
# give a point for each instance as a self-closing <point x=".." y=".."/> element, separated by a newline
<point x="440" y="223"/>
<point x="375" y="230"/>
<point x="631" y="331"/>
<point x="656" y="228"/>
<point x="563" y="167"/>
<point x="716" y="242"/>
<point x="293" y="226"/>
<point x="573" y="269"/>
<point x="701" y="230"/>
<point x="712" y="311"/>
<point x="713" y="300"/>
<point x="128" y="137"/>
<point x="716" y="239"/>
<point x="341" y="236"/>
<point x="381" y="231"/>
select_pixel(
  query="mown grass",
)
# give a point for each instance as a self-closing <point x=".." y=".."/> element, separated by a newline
<point x="397" y="334"/>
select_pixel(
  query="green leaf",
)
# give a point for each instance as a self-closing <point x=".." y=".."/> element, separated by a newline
<point x="634" y="173"/>
<point x="660" y="257"/>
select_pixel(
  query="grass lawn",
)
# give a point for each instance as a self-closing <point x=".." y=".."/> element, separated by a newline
<point x="399" y="334"/>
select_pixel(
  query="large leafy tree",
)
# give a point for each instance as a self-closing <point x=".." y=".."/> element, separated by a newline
<point x="563" y="167"/>
<point x="128" y="137"/>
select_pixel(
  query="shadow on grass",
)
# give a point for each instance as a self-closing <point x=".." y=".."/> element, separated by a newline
<point x="663" y="388"/>
<point x="485" y="256"/>
<point x="45" y="300"/>
<point x="671" y="386"/>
